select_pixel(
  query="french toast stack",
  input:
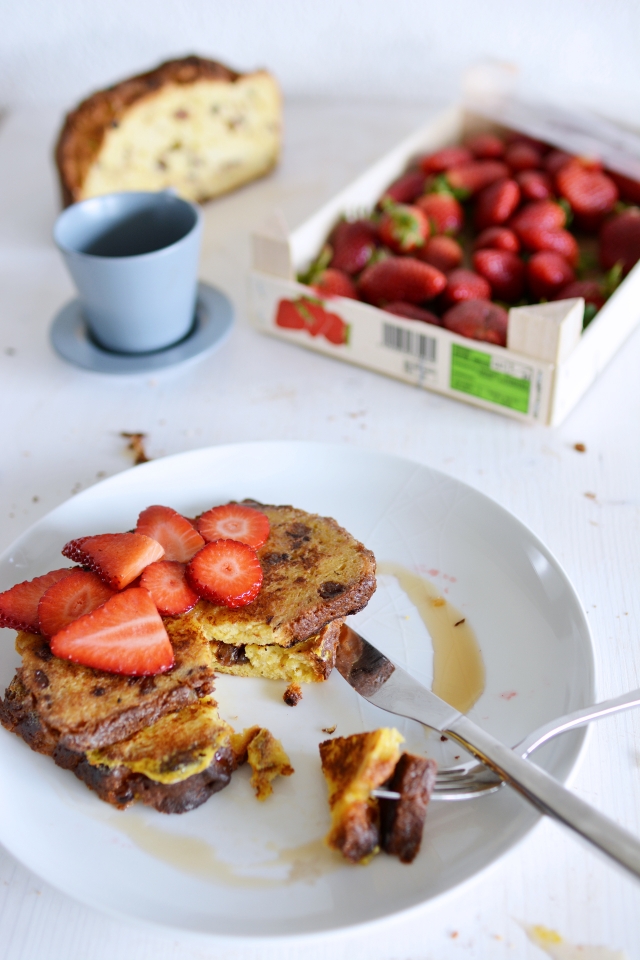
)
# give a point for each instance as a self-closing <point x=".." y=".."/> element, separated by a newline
<point x="159" y="738"/>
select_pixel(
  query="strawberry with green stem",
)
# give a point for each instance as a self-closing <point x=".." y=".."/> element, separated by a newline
<point x="403" y="228"/>
<point x="328" y="281"/>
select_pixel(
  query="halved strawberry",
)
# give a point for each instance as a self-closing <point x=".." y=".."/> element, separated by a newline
<point x="19" y="605"/>
<point x="117" y="558"/>
<point x="173" y="532"/>
<point x="124" y="635"/>
<point x="166" y="581"/>
<point x="69" y="599"/>
<point x="226" y="572"/>
<point x="234" y="521"/>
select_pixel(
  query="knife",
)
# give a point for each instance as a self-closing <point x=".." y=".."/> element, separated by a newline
<point x="391" y="688"/>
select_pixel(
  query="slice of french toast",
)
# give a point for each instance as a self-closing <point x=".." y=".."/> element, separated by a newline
<point x="314" y="573"/>
<point x="174" y="765"/>
<point x="87" y="709"/>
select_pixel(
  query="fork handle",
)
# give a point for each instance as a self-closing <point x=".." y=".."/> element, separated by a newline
<point x="550" y="797"/>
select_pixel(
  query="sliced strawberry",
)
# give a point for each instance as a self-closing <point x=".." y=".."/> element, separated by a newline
<point x="412" y="312"/>
<point x="443" y="211"/>
<point x="444" y="253"/>
<point x="485" y="146"/>
<point x="19" y="605"/>
<point x="175" y="533"/>
<point x="226" y="572"/>
<point x="478" y="320"/>
<point x="445" y="158"/>
<point x="534" y="184"/>
<point x="234" y="521"/>
<point x="504" y="271"/>
<point x="496" y="203"/>
<point x="166" y="581"/>
<point x="71" y="598"/>
<point x="464" y="284"/>
<point x="124" y="635"/>
<point x="117" y="558"/>
<point x="497" y="238"/>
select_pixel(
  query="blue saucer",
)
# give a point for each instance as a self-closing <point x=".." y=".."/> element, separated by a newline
<point x="212" y="324"/>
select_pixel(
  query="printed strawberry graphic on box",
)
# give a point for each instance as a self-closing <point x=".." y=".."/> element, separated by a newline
<point x="308" y="314"/>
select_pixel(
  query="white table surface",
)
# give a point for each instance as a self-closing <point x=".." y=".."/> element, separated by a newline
<point x="60" y="433"/>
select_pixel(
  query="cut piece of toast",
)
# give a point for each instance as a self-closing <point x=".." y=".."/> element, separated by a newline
<point x="402" y="821"/>
<point x="191" y="124"/>
<point x="89" y="708"/>
<point x="158" y="766"/>
<point x="309" y="661"/>
<point x="353" y="767"/>
<point x="314" y="572"/>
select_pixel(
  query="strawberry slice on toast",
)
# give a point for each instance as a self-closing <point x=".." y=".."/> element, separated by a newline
<point x="117" y="558"/>
<point x="19" y="605"/>
<point x="226" y="572"/>
<point x="125" y="635"/>
<point x="70" y="598"/>
<point x="172" y="531"/>
<point x="234" y="521"/>
<point x="166" y="581"/>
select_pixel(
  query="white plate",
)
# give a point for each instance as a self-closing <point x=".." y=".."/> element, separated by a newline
<point x="237" y="868"/>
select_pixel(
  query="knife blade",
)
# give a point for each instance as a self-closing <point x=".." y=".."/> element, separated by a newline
<point x="387" y="685"/>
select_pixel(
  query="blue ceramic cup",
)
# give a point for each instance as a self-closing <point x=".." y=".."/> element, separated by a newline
<point x="134" y="259"/>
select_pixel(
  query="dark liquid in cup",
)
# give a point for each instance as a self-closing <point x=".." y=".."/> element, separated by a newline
<point x="142" y="232"/>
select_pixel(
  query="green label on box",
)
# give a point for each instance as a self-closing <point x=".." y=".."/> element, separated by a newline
<point x="490" y="378"/>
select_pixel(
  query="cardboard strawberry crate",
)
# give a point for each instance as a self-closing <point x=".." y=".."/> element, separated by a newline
<point x="547" y="365"/>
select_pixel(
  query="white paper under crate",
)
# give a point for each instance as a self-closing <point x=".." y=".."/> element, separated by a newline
<point x="539" y="377"/>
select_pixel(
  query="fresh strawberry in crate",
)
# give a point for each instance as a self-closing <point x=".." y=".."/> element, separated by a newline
<point x="403" y="228"/>
<point x="590" y="291"/>
<point x="547" y="274"/>
<point x="497" y="238"/>
<point x="467" y="179"/>
<point x="560" y="241"/>
<point x="534" y="184"/>
<point x="523" y="155"/>
<point x="504" y="271"/>
<point x="478" y="320"/>
<point x="629" y="189"/>
<point x="464" y="284"/>
<point x="328" y="281"/>
<point x="445" y="158"/>
<point x="540" y="214"/>
<point x="485" y="146"/>
<point x="411" y="312"/>
<point x="353" y="244"/>
<point x="69" y="599"/>
<point x="589" y="191"/>
<point x="442" y="252"/>
<point x="444" y="212"/>
<point x="496" y="203"/>
<point x="555" y="160"/>
<point x="400" y="278"/>
<point x="406" y="188"/>
<point x="620" y="240"/>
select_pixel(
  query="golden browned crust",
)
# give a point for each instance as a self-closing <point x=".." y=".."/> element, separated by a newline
<point x="402" y="821"/>
<point x="85" y="127"/>
<point x="88" y="708"/>
<point x="314" y="572"/>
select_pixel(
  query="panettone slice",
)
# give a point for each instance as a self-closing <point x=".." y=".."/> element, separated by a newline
<point x="191" y="124"/>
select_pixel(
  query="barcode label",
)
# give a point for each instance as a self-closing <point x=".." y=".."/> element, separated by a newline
<point x="408" y="341"/>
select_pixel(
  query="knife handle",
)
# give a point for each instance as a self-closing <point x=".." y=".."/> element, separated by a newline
<point x="549" y="796"/>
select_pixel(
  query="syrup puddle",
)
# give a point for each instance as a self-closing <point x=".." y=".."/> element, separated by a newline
<point x="458" y="678"/>
<point x="304" y="863"/>
<point x="458" y="668"/>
